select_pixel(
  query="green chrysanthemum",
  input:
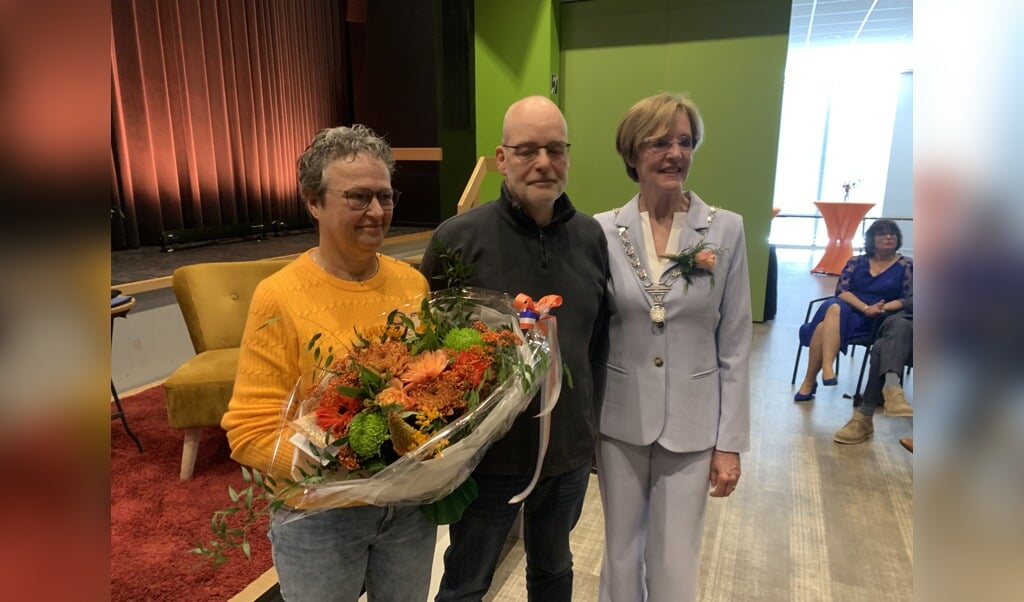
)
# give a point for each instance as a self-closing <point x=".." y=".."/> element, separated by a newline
<point x="366" y="433"/>
<point x="462" y="338"/>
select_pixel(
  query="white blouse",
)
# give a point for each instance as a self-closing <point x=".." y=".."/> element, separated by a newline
<point x="656" y="266"/>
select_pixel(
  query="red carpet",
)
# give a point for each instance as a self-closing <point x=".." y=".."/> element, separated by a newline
<point x="155" y="518"/>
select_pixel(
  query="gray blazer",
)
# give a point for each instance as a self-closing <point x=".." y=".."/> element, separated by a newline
<point x="684" y="384"/>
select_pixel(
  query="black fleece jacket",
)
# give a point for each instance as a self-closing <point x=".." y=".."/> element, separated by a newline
<point x="568" y="257"/>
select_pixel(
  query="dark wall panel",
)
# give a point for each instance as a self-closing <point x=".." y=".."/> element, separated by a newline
<point x="412" y="82"/>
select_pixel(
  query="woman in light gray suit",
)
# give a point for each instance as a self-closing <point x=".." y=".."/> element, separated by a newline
<point x="676" y="407"/>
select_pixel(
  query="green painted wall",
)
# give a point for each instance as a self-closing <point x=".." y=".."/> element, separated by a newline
<point x="729" y="56"/>
<point x="729" y="59"/>
<point x="516" y="47"/>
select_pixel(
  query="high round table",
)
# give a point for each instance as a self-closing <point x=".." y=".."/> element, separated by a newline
<point x="841" y="221"/>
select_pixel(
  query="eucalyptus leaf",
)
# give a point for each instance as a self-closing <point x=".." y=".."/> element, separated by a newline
<point x="268" y="322"/>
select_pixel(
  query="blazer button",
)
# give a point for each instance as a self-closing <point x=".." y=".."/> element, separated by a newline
<point x="659" y="362"/>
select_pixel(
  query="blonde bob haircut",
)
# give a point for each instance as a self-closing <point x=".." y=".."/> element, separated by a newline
<point x="651" y="118"/>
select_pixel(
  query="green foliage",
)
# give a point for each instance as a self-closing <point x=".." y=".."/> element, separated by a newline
<point x="449" y="509"/>
<point x="372" y="382"/>
<point x="456" y="272"/>
<point x="321" y="363"/>
<point x="232" y="526"/>
<point x="473" y="398"/>
<point x="268" y="322"/>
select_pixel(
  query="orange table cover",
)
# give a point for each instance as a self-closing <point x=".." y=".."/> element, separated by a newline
<point x="841" y="220"/>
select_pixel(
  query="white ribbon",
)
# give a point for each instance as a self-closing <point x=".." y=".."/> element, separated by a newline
<point x="547" y="328"/>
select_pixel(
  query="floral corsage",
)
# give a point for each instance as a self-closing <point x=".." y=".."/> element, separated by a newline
<point x="697" y="260"/>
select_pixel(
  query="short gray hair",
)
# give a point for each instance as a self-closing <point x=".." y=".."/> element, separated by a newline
<point x="331" y="144"/>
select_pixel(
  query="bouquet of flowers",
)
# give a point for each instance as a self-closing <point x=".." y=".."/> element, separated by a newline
<point x="407" y="414"/>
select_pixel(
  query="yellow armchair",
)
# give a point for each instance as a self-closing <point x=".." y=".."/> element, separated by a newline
<point x="214" y="299"/>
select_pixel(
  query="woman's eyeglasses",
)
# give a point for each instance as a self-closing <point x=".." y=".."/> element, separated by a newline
<point x="664" y="144"/>
<point x="359" y="199"/>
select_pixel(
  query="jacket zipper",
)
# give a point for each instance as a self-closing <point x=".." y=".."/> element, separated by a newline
<point x="543" y="251"/>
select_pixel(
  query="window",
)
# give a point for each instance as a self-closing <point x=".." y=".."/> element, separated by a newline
<point x="838" y="108"/>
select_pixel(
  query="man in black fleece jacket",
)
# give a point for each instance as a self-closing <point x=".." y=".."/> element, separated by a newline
<point x="531" y="240"/>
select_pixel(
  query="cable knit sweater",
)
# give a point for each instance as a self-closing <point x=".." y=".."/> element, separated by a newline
<point x="287" y="309"/>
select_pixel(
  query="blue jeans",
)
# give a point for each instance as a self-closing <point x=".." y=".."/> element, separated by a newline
<point x="329" y="555"/>
<point x="552" y="510"/>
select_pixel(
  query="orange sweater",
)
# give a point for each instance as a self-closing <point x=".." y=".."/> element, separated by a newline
<point x="287" y="309"/>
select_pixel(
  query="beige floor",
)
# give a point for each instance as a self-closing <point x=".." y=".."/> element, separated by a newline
<point x="812" y="520"/>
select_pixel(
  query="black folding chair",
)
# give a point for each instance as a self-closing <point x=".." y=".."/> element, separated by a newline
<point x="864" y="342"/>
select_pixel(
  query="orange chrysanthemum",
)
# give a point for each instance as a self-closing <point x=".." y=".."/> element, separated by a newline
<point x="509" y="338"/>
<point x="389" y="356"/>
<point x="471" y="365"/>
<point x="344" y="374"/>
<point x="443" y="395"/>
<point x="348" y="458"/>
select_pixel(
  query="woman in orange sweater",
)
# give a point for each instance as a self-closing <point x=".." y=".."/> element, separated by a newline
<point x="340" y="285"/>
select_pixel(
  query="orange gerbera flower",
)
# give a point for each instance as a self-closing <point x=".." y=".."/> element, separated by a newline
<point x="425" y="366"/>
<point x="335" y="411"/>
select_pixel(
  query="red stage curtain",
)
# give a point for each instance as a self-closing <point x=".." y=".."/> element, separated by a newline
<point x="211" y="103"/>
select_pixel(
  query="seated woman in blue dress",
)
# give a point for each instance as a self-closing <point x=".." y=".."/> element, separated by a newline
<point x="871" y="285"/>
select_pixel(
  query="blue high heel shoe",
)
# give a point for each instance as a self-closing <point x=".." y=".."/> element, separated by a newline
<point x="801" y="397"/>
<point x="830" y="382"/>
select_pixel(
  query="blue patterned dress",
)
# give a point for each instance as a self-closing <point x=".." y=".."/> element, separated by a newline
<point x="896" y="282"/>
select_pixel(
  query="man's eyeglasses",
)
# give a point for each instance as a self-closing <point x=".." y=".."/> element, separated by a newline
<point x="663" y="144"/>
<point x="359" y="199"/>
<point x="528" y="151"/>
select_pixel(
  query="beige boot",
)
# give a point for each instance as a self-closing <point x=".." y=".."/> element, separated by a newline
<point x="896" y="402"/>
<point x="858" y="430"/>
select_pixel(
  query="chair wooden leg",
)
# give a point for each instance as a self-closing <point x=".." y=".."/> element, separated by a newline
<point x="189" y="452"/>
